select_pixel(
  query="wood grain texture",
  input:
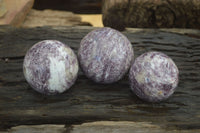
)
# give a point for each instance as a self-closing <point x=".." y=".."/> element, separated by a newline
<point x="97" y="127"/>
<point x="37" y="18"/>
<point x="88" y="101"/>
<point x="151" y="13"/>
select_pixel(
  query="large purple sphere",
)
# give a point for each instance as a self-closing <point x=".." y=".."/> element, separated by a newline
<point x="50" y="67"/>
<point x="105" y="55"/>
<point x="153" y="76"/>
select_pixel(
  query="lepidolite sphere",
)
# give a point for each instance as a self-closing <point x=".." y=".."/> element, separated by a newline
<point x="105" y="55"/>
<point x="50" y="67"/>
<point x="153" y="76"/>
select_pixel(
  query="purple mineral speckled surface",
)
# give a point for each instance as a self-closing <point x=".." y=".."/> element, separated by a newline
<point x="153" y="76"/>
<point x="50" y="67"/>
<point x="105" y="55"/>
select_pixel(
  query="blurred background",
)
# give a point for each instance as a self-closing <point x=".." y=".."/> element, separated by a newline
<point x="33" y="13"/>
<point x="117" y="14"/>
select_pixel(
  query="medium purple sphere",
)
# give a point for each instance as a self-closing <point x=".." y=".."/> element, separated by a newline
<point x="105" y="55"/>
<point x="153" y="76"/>
<point x="50" y="67"/>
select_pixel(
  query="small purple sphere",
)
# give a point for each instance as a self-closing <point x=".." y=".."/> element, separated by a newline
<point x="153" y="76"/>
<point x="50" y="67"/>
<point x="105" y="55"/>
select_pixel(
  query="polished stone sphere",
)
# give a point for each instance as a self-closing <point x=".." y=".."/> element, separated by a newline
<point x="50" y="67"/>
<point x="105" y="55"/>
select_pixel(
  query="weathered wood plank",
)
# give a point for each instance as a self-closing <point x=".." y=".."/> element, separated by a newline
<point x="16" y="11"/>
<point x="37" y="18"/>
<point x="98" y="127"/>
<point x="88" y="101"/>
<point x="151" y="13"/>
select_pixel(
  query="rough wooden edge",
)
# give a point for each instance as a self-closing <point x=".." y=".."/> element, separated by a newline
<point x="19" y="19"/>
<point x="97" y="127"/>
<point x="16" y="13"/>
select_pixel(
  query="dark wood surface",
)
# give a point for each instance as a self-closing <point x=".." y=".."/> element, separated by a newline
<point x="151" y="13"/>
<point x="76" y="6"/>
<point x="87" y="101"/>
